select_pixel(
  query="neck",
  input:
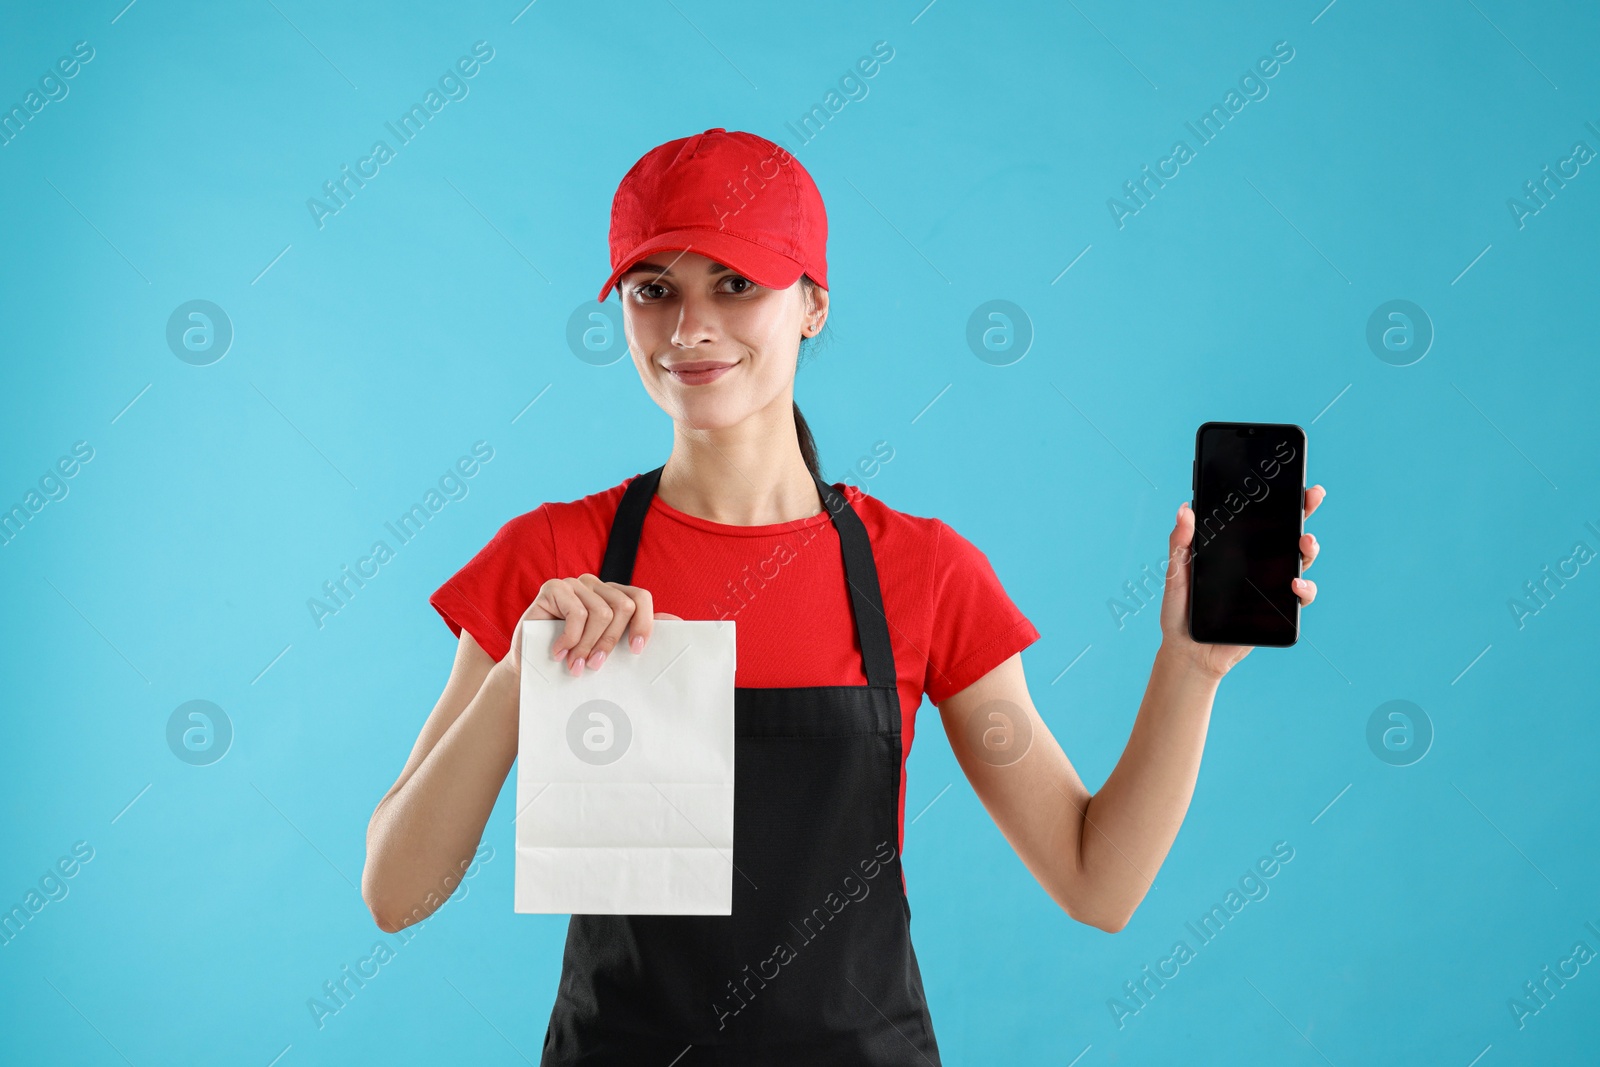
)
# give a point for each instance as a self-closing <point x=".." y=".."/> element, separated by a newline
<point x="749" y="474"/>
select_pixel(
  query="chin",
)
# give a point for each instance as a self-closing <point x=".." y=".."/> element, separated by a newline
<point x="713" y="414"/>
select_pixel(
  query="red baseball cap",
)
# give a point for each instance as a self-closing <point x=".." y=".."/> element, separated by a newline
<point x="733" y="197"/>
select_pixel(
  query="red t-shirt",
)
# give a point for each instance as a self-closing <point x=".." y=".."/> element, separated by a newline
<point x="950" y="620"/>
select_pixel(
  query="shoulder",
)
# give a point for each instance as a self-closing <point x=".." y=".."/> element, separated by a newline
<point x="930" y="548"/>
<point x="917" y="550"/>
<point x="586" y="514"/>
<point x="902" y="529"/>
<point x="567" y="520"/>
<point x="877" y="515"/>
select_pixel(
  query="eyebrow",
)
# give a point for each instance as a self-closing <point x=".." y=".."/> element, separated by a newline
<point x="663" y="272"/>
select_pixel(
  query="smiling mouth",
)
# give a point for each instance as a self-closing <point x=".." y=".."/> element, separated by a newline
<point x="699" y="373"/>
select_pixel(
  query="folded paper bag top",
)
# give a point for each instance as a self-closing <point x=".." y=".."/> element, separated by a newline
<point x="625" y="776"/>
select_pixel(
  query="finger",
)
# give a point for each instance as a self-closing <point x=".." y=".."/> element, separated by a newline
<point x="1183" y="529"/>
<point x="1309" y="548"/>
<point x="1175" y="587"/>
<point x="1306" y="589"/>
<point x="622" y="607"/>
<point x="558" y="600"/>
<point x="599" y="618"/>
<point x="1180" y="546"/>
<point x="655" y="617"/>
<point x="642" y="625"/>
<point x="1314" y="497"/>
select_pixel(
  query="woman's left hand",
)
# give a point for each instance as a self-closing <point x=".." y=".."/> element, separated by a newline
<point x="1216" y="660"/>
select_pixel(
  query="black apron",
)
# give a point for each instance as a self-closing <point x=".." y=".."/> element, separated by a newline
<point x="815" y="965"/>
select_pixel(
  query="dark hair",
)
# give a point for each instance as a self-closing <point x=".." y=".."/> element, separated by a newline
<point x="808" y="444"/>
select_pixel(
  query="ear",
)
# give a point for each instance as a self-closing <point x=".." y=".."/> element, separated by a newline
<point x="817" y="310"/>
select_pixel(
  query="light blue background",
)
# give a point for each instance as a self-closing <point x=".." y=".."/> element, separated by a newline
<point x="430" y="311"/>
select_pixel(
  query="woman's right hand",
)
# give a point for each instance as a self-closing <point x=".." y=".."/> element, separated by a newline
<point x="597" y="615"/>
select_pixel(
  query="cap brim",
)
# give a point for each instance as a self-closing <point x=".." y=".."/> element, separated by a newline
<point x="760" y="264"/>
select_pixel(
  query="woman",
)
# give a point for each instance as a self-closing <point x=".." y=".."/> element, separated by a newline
<point x="848" y="613"/>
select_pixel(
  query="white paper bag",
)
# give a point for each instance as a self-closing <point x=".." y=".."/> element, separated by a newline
<point x="625" y="776"/>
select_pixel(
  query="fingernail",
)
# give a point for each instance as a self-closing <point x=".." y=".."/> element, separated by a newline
<point x="577" y="665"/>
<point x="561" y="655"/>
<point x="1299" y="583"/>
<point x="595" y="660"/>
<point x="637" y="644"/>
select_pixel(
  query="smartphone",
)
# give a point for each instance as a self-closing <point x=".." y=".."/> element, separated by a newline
<point x="1249" y="509"/>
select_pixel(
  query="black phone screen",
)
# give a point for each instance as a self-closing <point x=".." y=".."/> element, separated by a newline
<point x="1249" y="497"/>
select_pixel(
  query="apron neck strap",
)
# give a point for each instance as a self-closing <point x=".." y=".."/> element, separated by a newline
<point x="622" y="547"/>
<point x="860" y="570"/>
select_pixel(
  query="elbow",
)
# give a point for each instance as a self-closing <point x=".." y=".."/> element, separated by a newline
<point x="379" y="908"/>
<point x="379" y="898"/>
<point x="373" y="895"/>
<point x="1110" y="922"/>
<point x="384" y="883"/>
<point x="1112" y="925"/>
<point x="1112" y="917"/>
<point x="388" y="919"/>
<point x="394" y="908"/>
<point x="1093" y="904"/>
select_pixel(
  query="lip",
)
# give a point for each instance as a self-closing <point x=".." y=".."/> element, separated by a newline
<point x="699" y="372"/>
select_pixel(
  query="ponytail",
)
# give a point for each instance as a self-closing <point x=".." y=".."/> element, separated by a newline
<point x="808" y="446"/>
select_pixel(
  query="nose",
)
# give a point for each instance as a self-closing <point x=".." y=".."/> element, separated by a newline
<point x="696" y="321"/>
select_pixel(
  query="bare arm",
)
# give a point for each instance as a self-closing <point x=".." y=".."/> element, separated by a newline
<point x="1097" y="854"/>
<point x="426" y="828"/>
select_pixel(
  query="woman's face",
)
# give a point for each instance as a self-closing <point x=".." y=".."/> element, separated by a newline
<point x="711" y="346"/>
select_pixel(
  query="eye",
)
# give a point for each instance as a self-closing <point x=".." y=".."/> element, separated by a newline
<point x="640" y="291"/>
<point x="746" y="285"/>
